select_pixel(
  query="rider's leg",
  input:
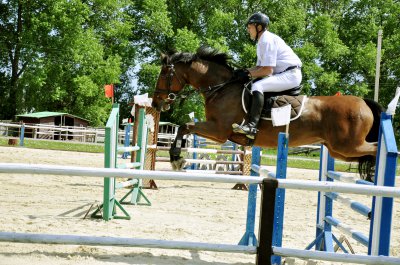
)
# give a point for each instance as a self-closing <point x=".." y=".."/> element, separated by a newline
<point x="279" y="82"/>
<point x="250" y="128"/>
<point x="275" y="83"/>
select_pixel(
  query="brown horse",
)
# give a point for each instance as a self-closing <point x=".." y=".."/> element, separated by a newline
<point x="347" y="125"/>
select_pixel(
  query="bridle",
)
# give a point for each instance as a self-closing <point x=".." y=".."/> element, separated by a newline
<point x="181" y="94"/>
<point x="169" y="90"/>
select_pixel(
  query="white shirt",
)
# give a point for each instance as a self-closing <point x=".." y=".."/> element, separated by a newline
<point x="273" y="51"/>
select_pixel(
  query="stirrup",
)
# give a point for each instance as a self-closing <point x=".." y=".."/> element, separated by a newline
<point x="250" y="133"/>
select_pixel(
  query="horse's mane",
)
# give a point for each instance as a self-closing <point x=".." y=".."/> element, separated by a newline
<point x="204" y="53"/>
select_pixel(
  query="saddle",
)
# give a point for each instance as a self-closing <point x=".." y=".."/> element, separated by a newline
<point x="276" y="100"/>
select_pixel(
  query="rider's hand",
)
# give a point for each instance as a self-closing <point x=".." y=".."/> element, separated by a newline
<point x="242" y="75"/>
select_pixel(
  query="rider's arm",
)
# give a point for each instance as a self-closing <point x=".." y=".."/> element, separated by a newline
<point x="260" y="71"/>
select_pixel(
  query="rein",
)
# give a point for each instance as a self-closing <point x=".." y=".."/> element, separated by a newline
<point x="214" y="89"/>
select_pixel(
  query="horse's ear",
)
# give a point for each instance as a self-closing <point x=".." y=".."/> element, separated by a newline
<point x="164" y="58"/>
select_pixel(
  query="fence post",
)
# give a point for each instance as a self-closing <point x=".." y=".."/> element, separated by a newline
<point x="267" y="212"/>
<point x="22" y="135"/>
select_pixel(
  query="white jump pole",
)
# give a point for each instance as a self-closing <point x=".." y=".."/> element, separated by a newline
<point x="20" y="168"/>
<point x="121" y="242"/>
<point x="335" y="257"/>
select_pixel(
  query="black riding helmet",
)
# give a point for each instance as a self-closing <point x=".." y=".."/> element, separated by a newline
<point x="258" y="19"/>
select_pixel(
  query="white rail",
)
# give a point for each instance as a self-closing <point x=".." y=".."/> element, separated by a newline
<point x="335" y="257"/>
<point x="121" y="242"/>
<point x="199" y="177"/>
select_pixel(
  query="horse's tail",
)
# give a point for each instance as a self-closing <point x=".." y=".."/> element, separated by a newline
<point x="366" y="163"/>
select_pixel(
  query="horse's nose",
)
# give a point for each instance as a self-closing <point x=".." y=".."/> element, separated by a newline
<point x="156" y="105"/>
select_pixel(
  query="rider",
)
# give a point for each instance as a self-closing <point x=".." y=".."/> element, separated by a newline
<point x="276" y="61"/>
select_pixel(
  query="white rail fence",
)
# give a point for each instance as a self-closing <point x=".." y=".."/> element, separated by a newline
<point x="51" y="132"/>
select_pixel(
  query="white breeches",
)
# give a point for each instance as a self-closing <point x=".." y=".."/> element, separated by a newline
<point x="278" y="82"/>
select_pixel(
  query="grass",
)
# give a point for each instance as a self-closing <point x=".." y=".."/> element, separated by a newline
<point x="307" y="162"/>
<point x="57" y="145"/>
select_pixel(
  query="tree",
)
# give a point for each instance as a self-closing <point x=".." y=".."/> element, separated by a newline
<point x="60" y="54"/>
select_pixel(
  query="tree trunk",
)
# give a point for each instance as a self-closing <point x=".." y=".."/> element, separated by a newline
<point x="14" y="53"/>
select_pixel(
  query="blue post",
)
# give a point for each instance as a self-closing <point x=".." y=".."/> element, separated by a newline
<point x="128" y="127"/>
<point x="234" y="147"/>
<point x="281" y="166"/>
<point x="385" y="175"/>
<point x="195" y="145"/>
<point x="249" y="238"/>
<point x="22" y="135"/>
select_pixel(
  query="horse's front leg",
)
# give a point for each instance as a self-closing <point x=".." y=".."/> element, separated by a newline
<point x="208" y="130"/>
<point x="177" y="161"/>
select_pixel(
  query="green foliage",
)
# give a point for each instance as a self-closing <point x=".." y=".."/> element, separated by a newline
<point x="60" y="55"/>
<point x="156" y="18"/>
<point x="186" y="40"/>
<point x="147" y="78"/>
<point x="179" y="113"/>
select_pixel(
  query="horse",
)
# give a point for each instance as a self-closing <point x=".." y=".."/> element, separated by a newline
<point x="347" y="125"/>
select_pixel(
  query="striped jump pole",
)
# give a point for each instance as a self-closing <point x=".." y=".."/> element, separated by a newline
<point x="354" y="205"/>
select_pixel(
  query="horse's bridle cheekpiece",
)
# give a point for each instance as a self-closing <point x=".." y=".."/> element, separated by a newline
<point x="171" y="94"/>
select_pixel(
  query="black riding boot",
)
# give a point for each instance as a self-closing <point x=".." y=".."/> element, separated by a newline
<point x="250" y="128"/>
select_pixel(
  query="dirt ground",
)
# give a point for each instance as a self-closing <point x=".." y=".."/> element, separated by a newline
<point x="186" y="211"/>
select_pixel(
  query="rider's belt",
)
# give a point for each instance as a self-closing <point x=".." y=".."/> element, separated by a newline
<point x="291" y="68"/>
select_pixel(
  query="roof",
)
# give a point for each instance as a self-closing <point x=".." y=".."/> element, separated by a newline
<point x="44" y="114"/>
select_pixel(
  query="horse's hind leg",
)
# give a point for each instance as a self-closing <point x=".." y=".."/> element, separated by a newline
<point x="367" y="148"/>
<point x="364" y="154"/>
<point x="351" y="152"/>
<point x="367" y="153"/>
<point x="341" y="157"/>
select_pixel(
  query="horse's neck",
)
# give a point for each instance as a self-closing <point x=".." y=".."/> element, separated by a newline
<point x="203" y="74"/>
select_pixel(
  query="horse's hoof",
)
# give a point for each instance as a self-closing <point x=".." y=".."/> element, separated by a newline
<point x="178" y="164"/>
